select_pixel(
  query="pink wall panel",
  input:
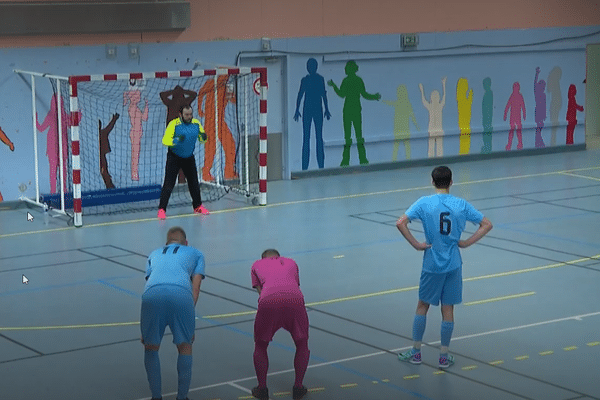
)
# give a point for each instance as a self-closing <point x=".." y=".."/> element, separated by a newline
<point x="250" y="19"/>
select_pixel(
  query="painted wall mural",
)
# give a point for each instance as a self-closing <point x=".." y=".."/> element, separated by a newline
<point x="4" y="139"/>
<point x="50" y="124"/>
<point x="435" y="106"/>
<point x="312" y="89"/>
<point x="351" y="90"/>
<point x="572" y="109"/>
<point x="407" y="122"/>
<point x="539" y="90"/>
<point x="515" y="105"/>
<point x="403" y="114"/>
<point x="487" y="112"/>
<point x="206" y="110"/>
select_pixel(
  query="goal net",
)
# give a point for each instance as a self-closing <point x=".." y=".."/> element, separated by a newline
<point x="116" y="160"/>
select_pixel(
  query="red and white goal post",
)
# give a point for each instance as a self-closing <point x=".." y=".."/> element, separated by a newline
<point x="116" y="123"/>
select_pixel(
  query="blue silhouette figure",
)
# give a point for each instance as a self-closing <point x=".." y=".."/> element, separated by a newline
<point x="312" y="87"/>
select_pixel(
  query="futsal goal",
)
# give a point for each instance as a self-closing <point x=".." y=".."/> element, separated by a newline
<point x="108" y="155"/>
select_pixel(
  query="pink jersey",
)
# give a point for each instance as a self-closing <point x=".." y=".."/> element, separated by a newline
<point x="278" y="277"/>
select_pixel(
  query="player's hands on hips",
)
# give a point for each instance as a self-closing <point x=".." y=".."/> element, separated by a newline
<point x="462" y="244"/>
<point x="423" y="246"/>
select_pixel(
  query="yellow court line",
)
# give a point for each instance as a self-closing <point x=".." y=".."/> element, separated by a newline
<point x="512" y="296"/>
<point x="350" y="196"/>
<point x="581" y="176"/>
<point x="349" y="385"/>
<point x="83" y="326"/>
<point x="316" y="303"/>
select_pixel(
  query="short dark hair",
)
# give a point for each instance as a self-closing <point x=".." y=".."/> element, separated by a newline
<point x="184" y="107"/>
<point x="176" y="235"/>
<point x="270" y="253"/>
<point x="442" y="176"/>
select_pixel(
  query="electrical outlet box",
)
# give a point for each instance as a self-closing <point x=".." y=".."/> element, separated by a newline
<point x="409" y="40"/>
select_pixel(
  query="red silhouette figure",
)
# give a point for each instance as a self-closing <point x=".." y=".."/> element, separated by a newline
<point x="572" y="109"/>
<point x="4" y="139"/>
<point x="515" y="104"/>
<point x="225" y="95"/>
<point x="52" y="151"/>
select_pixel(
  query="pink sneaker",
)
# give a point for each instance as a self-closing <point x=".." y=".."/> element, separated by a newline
<point x="201" y="210"/>
<point x="162" y="214"/>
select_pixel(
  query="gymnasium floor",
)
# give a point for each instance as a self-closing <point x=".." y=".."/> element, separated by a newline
<point x="529" y="327"/>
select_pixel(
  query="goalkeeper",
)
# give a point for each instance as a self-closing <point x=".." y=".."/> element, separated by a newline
<point x="180" y="137"/>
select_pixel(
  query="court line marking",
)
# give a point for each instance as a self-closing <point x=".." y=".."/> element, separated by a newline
<point x="581" y="176"/>
<point x="316" y="303"/>
<point x="496" y="331"/>
<point x="512" y="296"/>
<point x="243" y="389"/>
<point x="285" y="203"/>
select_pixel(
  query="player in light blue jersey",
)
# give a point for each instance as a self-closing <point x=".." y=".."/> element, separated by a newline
<point x="444" y="218"/>
<point x="173" y="277"/>
<point x="180" y="137"/>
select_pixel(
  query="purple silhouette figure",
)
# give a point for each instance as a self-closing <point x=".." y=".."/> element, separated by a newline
<point x="539" y="88"/>
<point x="515" y="104"/>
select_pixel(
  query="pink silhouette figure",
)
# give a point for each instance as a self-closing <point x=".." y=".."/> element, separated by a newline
<point x="136" y="116"/>
<point x="52" y="150"/>
<point x="539" y="88"/>
<point x="572" y="108"/>
<point x="515" y="104"/>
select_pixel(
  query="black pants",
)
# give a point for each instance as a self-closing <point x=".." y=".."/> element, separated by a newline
<point x="174" y="164"/>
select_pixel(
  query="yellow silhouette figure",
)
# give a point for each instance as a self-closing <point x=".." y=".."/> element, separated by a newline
<point x="403" y="112"/>
<point x="464" y="102"/>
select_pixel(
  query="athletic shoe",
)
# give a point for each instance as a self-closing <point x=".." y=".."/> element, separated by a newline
<point x="412" y="356"/>
<point x="299" y="392"/>
<point x="446" y="361"/>
<point x="201" y="210"/>
<point x="260" y="393"/>
<point x="162" y="214"/>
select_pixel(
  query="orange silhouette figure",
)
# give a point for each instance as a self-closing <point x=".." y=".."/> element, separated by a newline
<point x="206" y="96"/>
<point x="10" y="145"/>
<point x="136" y="116"/>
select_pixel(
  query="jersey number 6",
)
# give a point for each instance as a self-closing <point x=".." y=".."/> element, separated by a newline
<point x="445" y="223"/>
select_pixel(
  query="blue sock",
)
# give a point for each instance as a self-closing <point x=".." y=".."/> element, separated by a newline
<point x="152" y="363"/>
<point x="419" y="327"/>
<point x="446" y="332"/>
<point x="184" y="372"/>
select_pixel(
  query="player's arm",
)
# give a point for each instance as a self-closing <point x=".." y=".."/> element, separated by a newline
<point x="402" y="225"/>
<point x="255" y="281"/>
<point x="196" y="282"/>
<point x="484" y="227"/>
<point x="201" y="133"/>
<point x="167" y="139"/>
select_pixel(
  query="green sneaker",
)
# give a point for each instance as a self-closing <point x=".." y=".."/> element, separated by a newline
<point x="446" y="361"/>
<point x="412" y="356"/>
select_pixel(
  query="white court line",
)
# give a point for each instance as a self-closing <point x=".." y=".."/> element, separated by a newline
<point x="514" y="328"/>
<point x="235" y="385"/>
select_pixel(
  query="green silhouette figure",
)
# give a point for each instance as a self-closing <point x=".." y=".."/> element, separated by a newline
<point x="351" y="89"/>
<point x="487" y="109"/>
<point x="403" y="112"/>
